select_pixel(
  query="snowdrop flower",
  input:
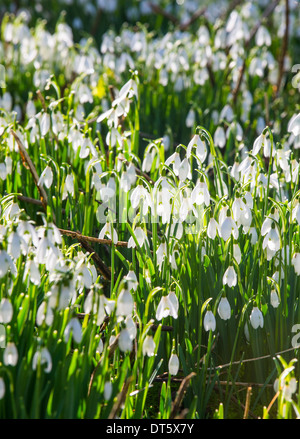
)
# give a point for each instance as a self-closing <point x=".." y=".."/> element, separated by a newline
<point x="296" y="263"/>
<point x="141" y="195"/>
<point x="131" y="327"/>
<point x="68" y="186"/>
<point x="237" y="253"/>
<point x="6" y="311"/>
<point x="274" y="299"/>
<point x="262" y="141"/>
<point x="74" y="328"/>
<point x="110" y="232"/>
<point x="149" y="346"/>
<point x="140" y="236"/>
<point x="173" y="364"/>
<point x="128" y="178"/>
<point x="209" y="321"/>
<point x="10" y="355"/>
<point x="125" y="303"/>
<point x="256" y="318"/>
<point x="125" y="341"/>
<point x="200" y="194"/>
<point x="220" y="137"/>
<point x="227" y="228"/>
<point x="100" y="347"/>
<point x="42" y="357"/>
<point x="161" y="253"/>
<point x="131" y="280"/>
<point x="271" y="240"/>
<point x="212" y="228"/>
<point x="44" y="314"/>
<point x="224" y="309"/>
<point x="230" y="277"/>
<point x="168" y="306"/>
<point x="6" y="264"/>
<point x="190" y="118"/>
<point x="2" y="388"/>
<point x="108" y="388"/>
<point x="294" y="125"/>
<point x="201" y="150"/>
<point x="46" y="177"/>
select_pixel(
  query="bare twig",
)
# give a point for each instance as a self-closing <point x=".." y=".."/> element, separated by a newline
<point x="160" y="11"/>
<point x="194" y="17"/>
<point x="247" y="404"/>
<point x="180" y="394"/>
<point x="120" y="400"/>
<point x="267" y="12"/>
<point x="27" y="162"/>
<point x="283" y="47"/>
<point x="78" y="236"/>
<point x="102" y="268"/>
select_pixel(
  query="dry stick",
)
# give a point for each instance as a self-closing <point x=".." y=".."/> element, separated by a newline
<point x="284" y="47"/>
<point x="104" y="270"/>
<point x="266" y="14"/>
<point x="193" y="18"/>
<point x="120" y="400"/>
<point x="247" y="404"/>
<point x="28" y="163"/>
<point x="180" y="394"/>
<point x="78" y="236"/>
<point x="111" y="350"/>
<point x="158" y="10"/>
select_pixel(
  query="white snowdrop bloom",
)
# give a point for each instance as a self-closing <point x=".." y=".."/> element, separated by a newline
<point x="100" y="347"/>
<point x="140" y="236"/>
<point x="128" y="178"/>
<point x="212" y="228"/>
<point x="296" y="212"/>
<point x="184" y="170"/>
<point x="220" y="137"/>
<point x="283" y="159"/>
<point x="173" y="364"/>
<point x="46" y="177"/>
<point x="125" y="341"/>
<point x="227" y="113"/>
<point x="271" y="239"/>
<point x="108" y="388"/>
<point x="148" y="346"/>
<point x="28" y="232"/>
<point x="131" y="326"/>
<point x="68" y="186"/>
<point x="190" y="118"/>
<point x="6" y="264"/>
<point x="230" y="277"/>
<point x="254" y="235"/>
<point x="14" y="242"/>
<point x="161" y="253"/>
<point x="32" y="270"/>
<point x="256" y="318"/>
<point x="108" y="231"/>
<point x="263" y="37"/>
<point x="289" y="389"/>
<point x="2" y="388"/>
<point x="209" y="321"/>
<point x="44" y="121"/>
<point x="262" y="141"/>
<point x="237" y="253"/>
<point x="140" y="195"/>
<point x="199" y="145"/>
<point x="6" y="311"/>
<point x="227" y="228"/>
<point x="200" y="194"/>
<point x="42" y="357"/>
<point x="224" y="309"/>
<point x="44" y="314"/>
<point x="125" y="303"/>
<point x="274" y="299"/>
<point x="168" y="306"/>
<point x="131" y="280"/>
<point x="294" y="125"/>
<point x="174" y="160"/>
<point x="296" y="263"/>
<point x="238" y="208"/>
<point x="73" y="328"/>
<point x="148" y="160"/>
<point x="3" y="172"/>
<point x="10" y="355"/>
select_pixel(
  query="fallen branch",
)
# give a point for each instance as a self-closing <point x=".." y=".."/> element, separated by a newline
<point x="193" y="18"/>
<point x="180" y="394"/>
<point x="29" y="165"/>
<point x="283" y="47"/>
<point x="120" y="400"/>
<point x="267" y="13"/>
<point x="160" y="11"/>
<point x="79" y="236"/>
